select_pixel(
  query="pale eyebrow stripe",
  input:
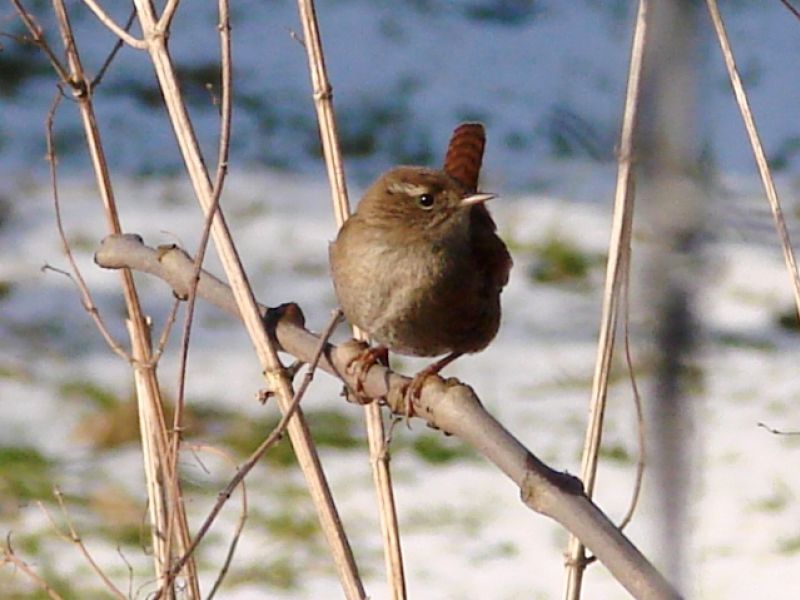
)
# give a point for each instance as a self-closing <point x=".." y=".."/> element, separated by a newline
<point x="410" y="189"/>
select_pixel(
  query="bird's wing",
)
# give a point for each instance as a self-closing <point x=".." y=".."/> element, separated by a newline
<point x="490" y="251"/>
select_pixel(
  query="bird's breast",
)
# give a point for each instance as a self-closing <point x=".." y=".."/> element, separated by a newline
<point x="418" y="297"/>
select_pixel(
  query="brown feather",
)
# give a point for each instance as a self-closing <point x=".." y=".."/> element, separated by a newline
<point x="424" y="280"/>
<point x="489" y="250"/>
<point x="465" y="155"/>
<point x="463" y="162"/>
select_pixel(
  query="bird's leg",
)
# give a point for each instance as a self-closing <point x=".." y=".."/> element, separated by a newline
<point x="415" y="387"/>
<point x="362" y="363"/>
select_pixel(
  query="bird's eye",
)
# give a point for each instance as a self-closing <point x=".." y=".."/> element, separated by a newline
<point x="425" y="201"/>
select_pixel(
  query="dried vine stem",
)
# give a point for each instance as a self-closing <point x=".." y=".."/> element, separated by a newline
<point x="637" y="405"/>
<point x="9" y="556"/>
<point x="219" y="180"/>
<point x="153" y="429"/>
<point x="791" y="8"/>
<point x="120" y="32"/>
<point x="237" y="533"/>
<point x="376" y="435"/>
<point x="616" y="274"/>
<point x="259" y="452"/>
<point x="758" y="150"/>
<point x="87" y="301"/>
<point x="154" y="40"/>
<point x="74" y="537"/>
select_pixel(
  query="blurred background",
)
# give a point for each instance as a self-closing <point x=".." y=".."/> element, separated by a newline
<point x="547" y="78"/>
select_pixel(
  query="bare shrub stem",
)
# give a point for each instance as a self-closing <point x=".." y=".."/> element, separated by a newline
<point x="758" y="150"/>
<point x="378" y="447"/>
<point x="616" y="274"/>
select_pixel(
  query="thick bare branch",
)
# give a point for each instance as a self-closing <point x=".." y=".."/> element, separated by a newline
<point x="448" y="405"/>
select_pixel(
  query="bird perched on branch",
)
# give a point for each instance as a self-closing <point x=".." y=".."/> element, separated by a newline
<point x="419" y="266"/>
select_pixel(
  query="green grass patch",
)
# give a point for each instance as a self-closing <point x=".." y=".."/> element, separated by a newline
<point x="25" y="474"/>
<point x="616" y="453"/>
<point x="438" y="449"/>
<point x="292" y="525"/>
<point x="737" y="340"/>
<point x="331" y="428"/>
<point x="789" y="545"/>
<point x="560" y="261"/>
<point x="281" y="573"/>
<point x="83" y="389"/>
<point x="776" y="501"/>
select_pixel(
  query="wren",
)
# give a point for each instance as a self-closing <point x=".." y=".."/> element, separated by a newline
<point x="419" y="266"/>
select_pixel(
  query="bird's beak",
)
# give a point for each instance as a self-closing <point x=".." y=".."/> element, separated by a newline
<point x="476" y="199"/>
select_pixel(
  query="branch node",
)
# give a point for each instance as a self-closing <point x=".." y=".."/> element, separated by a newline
<point x="324" y="93"/>
<point x="535" y="489"/>
<point x="81" y="89"/>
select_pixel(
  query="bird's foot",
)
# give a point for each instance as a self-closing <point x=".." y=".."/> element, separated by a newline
<point x="414" y="388"/>
<point x="360" y="366"/>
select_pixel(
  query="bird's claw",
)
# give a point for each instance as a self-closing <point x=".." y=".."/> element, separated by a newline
<point x="413" y="392"/>
<point x="360" y="366"/>
<point x="414" y="388"/>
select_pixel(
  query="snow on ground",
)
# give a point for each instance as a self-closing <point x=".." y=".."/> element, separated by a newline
<point x="466" y="535"/>
<point x="547" y="81"/>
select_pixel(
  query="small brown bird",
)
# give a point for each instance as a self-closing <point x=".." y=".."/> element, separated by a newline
<point x="419" y="266"/>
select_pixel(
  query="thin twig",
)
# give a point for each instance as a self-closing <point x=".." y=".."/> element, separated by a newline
<point x="111" y="55"/>
<point x="618" y="264"/>
<point x="637" y="403"/>
<point x="758" y="150"/>
<point x="777" y="431"/>
<point x="219" y="179"/>
<point x="9" y="556"/>
<point x="239" y="524"/>
<point x="120" y="32"/>
<point x="259" y="452"/>
<point x="641" y="459"/>
<point x="38" y="39"/>
<point x="791" y="8"/>
<point x="75" y="276"/>
<point x="129" y="566"/>
<point x="165" y="21"/>
<point x="165" y="331"/>
<point x="74" y="538"/>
